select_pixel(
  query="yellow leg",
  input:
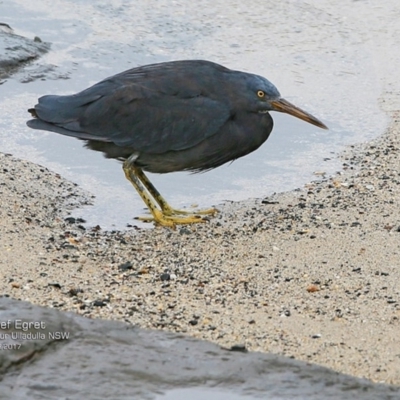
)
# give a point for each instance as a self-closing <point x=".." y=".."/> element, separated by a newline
<point x="165" y="207"/>
<point x="164" y="217"/>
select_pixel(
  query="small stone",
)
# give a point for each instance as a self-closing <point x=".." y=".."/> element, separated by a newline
<point x="239" y="347"/>
<point x="267" y="201"/>
<point x="55" y="285"/>
<point x="165" y="277"/>
<point x="286" y="313"/>
<point x="312" y="289"/>
<point x="303" y="231"/>
<point x="316" y="336"/>
<point x="99" y="303"/>
<point x="74" y="291"/>
<point x="125" y="266"/>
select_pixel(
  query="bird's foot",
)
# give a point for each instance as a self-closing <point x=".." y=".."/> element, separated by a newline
<point x="171" y="221"/>
<point x="169" y="211"/>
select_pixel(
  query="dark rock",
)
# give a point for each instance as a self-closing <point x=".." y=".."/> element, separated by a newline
<point x="165" y="277"/>
<point x="68" y="356"/>
<point x="16" y="51"/>
<point x="55" y="285"/>
<point x="99" y="303"/>
<point x="125" y="266"/>
<point x="239" y="348"/>
<point x="267" y="201"/>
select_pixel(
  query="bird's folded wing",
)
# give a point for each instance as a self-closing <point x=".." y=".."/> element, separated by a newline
<point x="133" y="116"/>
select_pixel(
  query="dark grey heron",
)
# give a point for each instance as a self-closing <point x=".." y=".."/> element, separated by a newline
<point x="188" y="115"/>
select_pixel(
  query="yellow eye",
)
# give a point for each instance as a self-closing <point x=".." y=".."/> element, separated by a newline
<point x="260" y="94"/>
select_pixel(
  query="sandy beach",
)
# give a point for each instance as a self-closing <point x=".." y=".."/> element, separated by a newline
<point x="311" y="274"/>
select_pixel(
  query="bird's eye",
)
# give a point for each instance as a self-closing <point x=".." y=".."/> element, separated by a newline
<point x="260" y="94"/>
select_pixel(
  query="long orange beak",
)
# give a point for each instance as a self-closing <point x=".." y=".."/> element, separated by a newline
<point x="283" y="105"/>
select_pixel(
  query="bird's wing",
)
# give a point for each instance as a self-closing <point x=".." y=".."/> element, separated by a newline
<point x="134" y="116"/>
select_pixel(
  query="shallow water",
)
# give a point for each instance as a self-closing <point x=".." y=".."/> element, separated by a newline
<point x="202" y="393"/>
<point x="318" y="60"/>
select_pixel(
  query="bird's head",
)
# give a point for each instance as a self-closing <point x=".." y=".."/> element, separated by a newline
<point x="268" y="99"/>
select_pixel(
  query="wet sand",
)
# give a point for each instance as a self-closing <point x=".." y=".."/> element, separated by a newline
<point x="311" y="274"/>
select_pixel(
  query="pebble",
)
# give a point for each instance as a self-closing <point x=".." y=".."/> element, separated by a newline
<point x="165" y="277"/>
<point x="239" y="348"/>
<point x="316" y="336"/>
<point x="125" y="266"/>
